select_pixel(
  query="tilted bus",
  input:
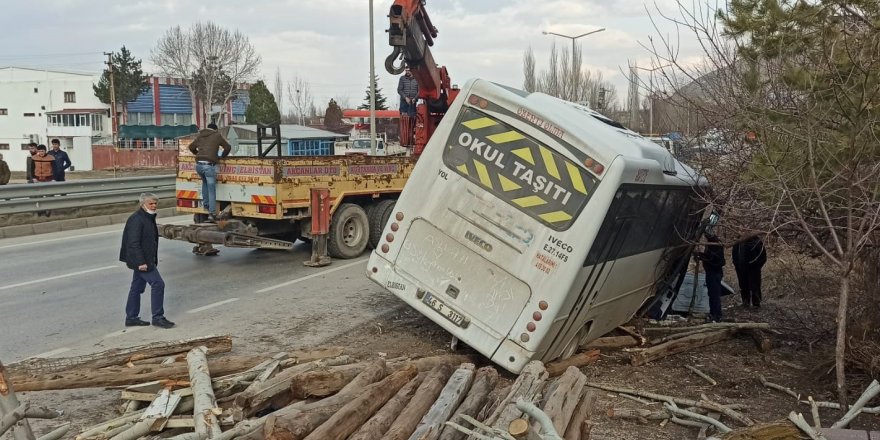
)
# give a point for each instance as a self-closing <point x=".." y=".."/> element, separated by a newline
<point x="531" y="225"/>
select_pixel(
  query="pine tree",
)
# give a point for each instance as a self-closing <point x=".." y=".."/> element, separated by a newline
<point x="380" y="99"/>
<point x="129" y="80"/>
<point x="333" y="114"/>
<point x="262" y="109"/>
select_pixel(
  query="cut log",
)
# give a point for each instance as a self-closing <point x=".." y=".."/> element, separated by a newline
<point x="296" y="421"/>
<point x="581" y="415"/>
<point x="324" y="382"/>
<point x="353" y="414"/>
<point x="711" y="325"/>
<point x="484" y="383"/>
<point x="114" y="376"/>
<point x="610" y="342"/>
<point x="451" y="396"/>
<point x="679" y="346"/>
<point x="429" y="363"/>
<point x="205" y="404"/>
<point x="120" y="356"/>
<point x="380" y="422"/>
<point x="762" y="341"/>
<point x="556" y="368"/>
<point x="496" y="397"/>
<point x="561" y="403"/>
<point x="772" y="431"/>
<point x="527" y="387"/>
<point x="421" y="401"/>
<point x="642" y="415"/>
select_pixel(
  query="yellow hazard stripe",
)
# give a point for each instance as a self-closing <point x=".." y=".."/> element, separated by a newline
<point x="483" y="173"/>
<point x="187" y="194"/>
<point x="576" y="179"/>
<point x="507" y="136"/>
<point x="462" y="169"/>
<point x="263" y="200"/>
<point x="556" y="217"/>
<point x="528" y="202"/>
<point x="476" y="124"/>
<point x="507" y="184"/>
<point x="525" y="154"/>
<point x="549" y="163"/>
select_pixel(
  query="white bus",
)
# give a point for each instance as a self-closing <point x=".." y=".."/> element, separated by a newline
<point x="531" y="225"/>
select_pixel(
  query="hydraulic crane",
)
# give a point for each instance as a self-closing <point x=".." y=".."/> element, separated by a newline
<point x="411" y="34"/>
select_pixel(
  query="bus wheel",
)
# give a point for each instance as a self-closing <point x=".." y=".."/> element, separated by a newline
<point x="379" y="219"/>
<point x="349" y="232"/>
<point x="576" y="342"/>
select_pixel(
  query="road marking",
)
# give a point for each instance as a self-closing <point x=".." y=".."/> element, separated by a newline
<point x="82" y="272"/>
<point x="308" y="277"/>
<point x="211" y="306"/>
<point x="74" y="237"/>
<point x="124" y="331"/>
<point x="50" y="353"/>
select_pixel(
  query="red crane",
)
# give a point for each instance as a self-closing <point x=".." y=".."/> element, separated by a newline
<point x="411" y="34"/>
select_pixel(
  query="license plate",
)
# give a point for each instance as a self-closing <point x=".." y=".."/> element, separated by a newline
<point x="447" y="312"/>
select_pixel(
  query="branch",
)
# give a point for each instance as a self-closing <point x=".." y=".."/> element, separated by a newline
<point x="705" y="419"/>
<point x="854" y="410"/>
<point x="802" y="424"/>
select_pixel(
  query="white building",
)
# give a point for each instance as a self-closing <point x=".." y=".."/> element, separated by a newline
<point x="41" y="105"/>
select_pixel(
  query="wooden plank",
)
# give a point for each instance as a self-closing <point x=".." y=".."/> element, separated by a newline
<point x="451" y="396"/>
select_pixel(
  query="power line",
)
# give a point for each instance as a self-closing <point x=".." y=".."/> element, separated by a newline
<point x="48" y="55"/>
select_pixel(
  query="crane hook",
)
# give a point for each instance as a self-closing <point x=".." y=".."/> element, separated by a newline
<point x="389" y="62"/>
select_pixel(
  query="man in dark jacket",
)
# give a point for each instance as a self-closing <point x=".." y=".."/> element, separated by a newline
<point x="140" y="252"/>
<point x="408" y="89"/>
<point x="62" y="160"/>
<point x="32" y="149"/>
<point x="749" y="257"/>
<point x="5" y="174"/>
<point x="205" y="146"/>
<point x="713" y="264"/>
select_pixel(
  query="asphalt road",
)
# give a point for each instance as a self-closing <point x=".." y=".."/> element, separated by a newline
<point x="63" y="294"/>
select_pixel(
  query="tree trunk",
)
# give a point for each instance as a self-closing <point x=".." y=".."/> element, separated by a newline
<point x="679" y="345"/>
<point x="840" y="346"/>
<point x="453" y="393"/>
<point x="527" y="386"/>
<point x="356" y="412"/>
<point x="556" y="368"/>
<point x="581" y="414"/>
<point x="203" y="394"/>
<point x="377" y="425"/>
<point x="21" y="429"/>
<point x="562" y="401"/>
<point x="610" y="342"/>
<point x="484" y="383"/>
<point x="322" y="383"/>
<point x="424" y="397"/>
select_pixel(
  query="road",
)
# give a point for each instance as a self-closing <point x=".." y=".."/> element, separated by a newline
<point x="63" y="294"/>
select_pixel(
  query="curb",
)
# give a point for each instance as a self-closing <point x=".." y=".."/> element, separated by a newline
<point x="73" y="224"/>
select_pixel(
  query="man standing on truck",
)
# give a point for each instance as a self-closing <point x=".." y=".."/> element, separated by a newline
<point x="205" y="147"/>
<point x="408" y="90"/>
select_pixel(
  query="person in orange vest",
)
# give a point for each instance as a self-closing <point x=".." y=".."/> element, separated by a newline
<point x="44" y="165"/>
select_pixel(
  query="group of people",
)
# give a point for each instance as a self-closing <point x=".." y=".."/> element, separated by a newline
<point x="45" y="165"/>
<point x="748" y="257"/>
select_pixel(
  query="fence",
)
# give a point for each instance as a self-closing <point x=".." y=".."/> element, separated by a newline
<point x="81" y="193"/>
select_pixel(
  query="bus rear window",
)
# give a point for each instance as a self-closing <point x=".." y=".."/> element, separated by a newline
<point x="517" y="169"/>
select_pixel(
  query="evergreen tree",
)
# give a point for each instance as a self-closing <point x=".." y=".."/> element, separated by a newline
<point x="333" y="114"/>
<point x="262" y="109"/>
<point x="129" y="80"/>
<point x="380" y="99"/>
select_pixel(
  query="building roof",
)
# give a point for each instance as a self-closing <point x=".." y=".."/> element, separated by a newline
<point x="68" y="111"/>
<point x="288" y="131"/>
<point x="358" y="113"/>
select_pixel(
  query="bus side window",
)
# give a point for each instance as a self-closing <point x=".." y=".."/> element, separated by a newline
<point x="598" y="252"/>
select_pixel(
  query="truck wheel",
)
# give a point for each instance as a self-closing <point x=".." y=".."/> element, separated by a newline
<point x="349" y="232"/>
<point x="379" y="219"/>
<point x="200" y="218"/>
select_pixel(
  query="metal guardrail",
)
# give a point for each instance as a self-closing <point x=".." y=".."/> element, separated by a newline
<point x="81" y="193"/>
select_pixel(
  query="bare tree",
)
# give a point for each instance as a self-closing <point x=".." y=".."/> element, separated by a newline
<point x="215" y="62"/>
<point x="299" y="92"/>
<point x="279" y="90"/>
<point x="530" y="82"/>
<point x="792" y="95"/>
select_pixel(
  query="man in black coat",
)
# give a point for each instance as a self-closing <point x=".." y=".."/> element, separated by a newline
<point x="749" y="257"/>
<point x="140" y="252"/>
<point x="713" y="264"/>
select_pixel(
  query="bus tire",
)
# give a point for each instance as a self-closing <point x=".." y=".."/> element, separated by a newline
<point x="379" y="219"/>
<point x="349" y="232"/>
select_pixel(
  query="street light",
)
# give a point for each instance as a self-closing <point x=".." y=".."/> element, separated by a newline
<point x="573" y="48"/>
<point x="651" y="95"/>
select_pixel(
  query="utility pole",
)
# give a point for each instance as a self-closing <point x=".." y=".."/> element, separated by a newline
<point x="372" y="88"/>
<point x="114" y="123"/>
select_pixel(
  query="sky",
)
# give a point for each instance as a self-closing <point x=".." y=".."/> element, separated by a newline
<point x="326" y="43"/>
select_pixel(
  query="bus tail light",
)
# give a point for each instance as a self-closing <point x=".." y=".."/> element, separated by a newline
<point x="543" y="305"/>
<point x="537" y="316"/>
<point x="399" y="216"/>
<point x="389" y="238"/>
<point x="385" y="248"/>
<point x="267" y="209"/>
<point x="395" y="227"/>
<point x="598" y="168"/>
<point x="531" y="326"/>
<point x="524" y="337"/>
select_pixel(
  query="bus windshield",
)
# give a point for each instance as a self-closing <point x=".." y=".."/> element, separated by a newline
<point x="518" y="169"/>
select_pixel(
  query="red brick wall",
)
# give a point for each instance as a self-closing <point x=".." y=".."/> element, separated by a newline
<point x="106" y="157"/>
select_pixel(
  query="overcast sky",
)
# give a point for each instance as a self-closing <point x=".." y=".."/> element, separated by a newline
<point x="327" y="44"/>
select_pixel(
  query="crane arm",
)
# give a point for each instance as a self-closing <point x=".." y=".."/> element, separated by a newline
<point x="411" y="34"/>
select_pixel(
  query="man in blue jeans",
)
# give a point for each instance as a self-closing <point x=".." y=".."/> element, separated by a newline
<point x="713" y="264"/>
<point x="140" y="252"/>
<point x="206" y="147"/>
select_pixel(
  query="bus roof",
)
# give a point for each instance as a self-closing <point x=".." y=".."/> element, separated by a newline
<point x="582" y="127"/>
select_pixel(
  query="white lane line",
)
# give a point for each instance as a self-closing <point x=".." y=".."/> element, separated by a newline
<point x="308" y="277"/>
<point x="50" y="353"/>
<point x="124" y="331"/>
<point x="74" y="237"/>
<point x="211" y="306"/>
<point x="82" y="272"/>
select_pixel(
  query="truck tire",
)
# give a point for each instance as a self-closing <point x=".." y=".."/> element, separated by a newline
<point x="379" y="219"/>
<point x="200" y="218"/>
<point x="349" y="232"/>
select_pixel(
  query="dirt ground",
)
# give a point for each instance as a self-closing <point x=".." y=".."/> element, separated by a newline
<point x="799" y="303"/>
